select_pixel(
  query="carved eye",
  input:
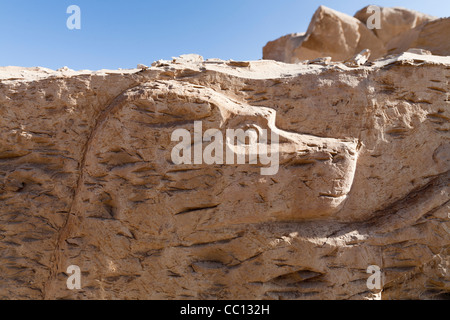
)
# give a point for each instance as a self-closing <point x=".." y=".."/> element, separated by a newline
<point x="249" y="135"/>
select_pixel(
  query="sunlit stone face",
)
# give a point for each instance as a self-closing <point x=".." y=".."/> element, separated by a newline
<point x="312" y="178"/>
<point x="145" y="205"/>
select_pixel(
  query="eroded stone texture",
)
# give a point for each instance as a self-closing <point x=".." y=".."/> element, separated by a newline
<point x="87" y="179"/>
<point x="330" y="33"/>
<point x="394" y="21"/>
<point x="340" y="36"/>
<point x="432" y="36"/>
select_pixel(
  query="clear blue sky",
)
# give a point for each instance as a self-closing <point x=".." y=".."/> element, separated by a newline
<point x="120" y="34"/>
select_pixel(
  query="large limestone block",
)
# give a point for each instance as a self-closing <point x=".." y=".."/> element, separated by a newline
<point x="330" y="33"/>
<point x="433" y="36"/>
<point x="87" y="178"/>
<point x="394" y="21"/>
<point x="282" y="49"/>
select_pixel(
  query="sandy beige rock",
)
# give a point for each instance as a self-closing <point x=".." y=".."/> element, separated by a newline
<point x="341" y="37"/>
<point x="330" y="33"/>
<point x="282" y="49"/>
<point x="433" y="36"/>
<point x="394" y="21"/>
<point x="359" y="59"/>
<point x="87" y="179"/>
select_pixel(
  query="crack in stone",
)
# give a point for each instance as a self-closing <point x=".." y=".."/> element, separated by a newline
<point x="70" y="222"/>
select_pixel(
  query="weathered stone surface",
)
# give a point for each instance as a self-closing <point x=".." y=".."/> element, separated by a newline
<point x="433" y="36"/>
<point x="282" y="49"/>
<point x="394" y="21"/>
<point x="340" y="36"/>
<point x="87" y="179"/>
<point x="330" y="33"/>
